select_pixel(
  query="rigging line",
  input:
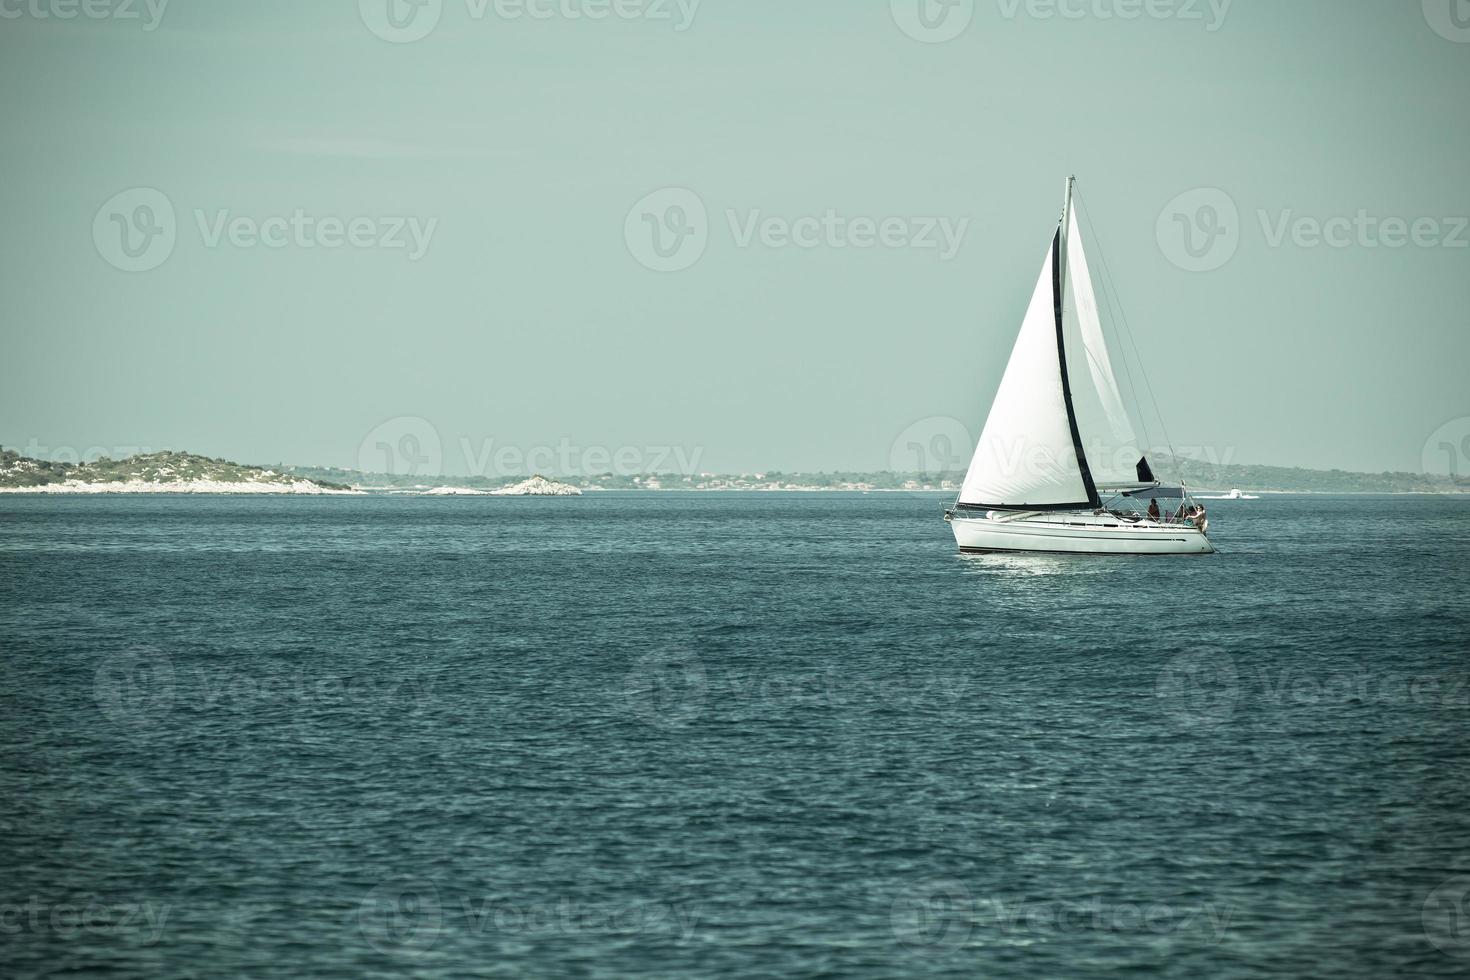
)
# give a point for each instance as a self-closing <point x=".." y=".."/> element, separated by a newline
<point x="1108" y="298"/>
<point x="1102" y="256"/>
<point x="1133" y="389"/>
<point x="1125" y="332"/>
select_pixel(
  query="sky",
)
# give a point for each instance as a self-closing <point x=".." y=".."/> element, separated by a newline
<point x="732" y="235"/>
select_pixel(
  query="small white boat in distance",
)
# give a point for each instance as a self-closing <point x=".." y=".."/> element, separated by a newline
<point x="1232" y="495"/>
<point x="1031" y="485"/>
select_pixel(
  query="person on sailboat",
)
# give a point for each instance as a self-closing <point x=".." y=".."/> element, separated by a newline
<point x="1153" y="510"/>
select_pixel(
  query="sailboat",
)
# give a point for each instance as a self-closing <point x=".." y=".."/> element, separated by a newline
<point x="1058" y="467"/>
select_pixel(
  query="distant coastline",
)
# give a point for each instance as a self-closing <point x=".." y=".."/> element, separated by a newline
<point x="180" y="472"/>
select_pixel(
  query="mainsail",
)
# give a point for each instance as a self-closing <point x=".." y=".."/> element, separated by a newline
<point x="1056" y="431"/>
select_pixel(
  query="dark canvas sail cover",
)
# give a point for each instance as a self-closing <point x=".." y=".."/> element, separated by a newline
<point x="1145" y="475"/>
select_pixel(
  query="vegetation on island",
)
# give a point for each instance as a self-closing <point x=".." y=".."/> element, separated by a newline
<point x="17" y="471"/>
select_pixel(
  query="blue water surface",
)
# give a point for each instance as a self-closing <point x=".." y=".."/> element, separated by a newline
<point x="704" y="734"/>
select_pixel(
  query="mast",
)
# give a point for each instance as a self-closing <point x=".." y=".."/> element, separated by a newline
<point x="1066" y="225"/>
<point x="1059" y="279"/>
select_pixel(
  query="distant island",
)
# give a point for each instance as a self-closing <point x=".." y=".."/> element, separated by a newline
<point x="163" y="472"/>
<point x="181" y="472"/>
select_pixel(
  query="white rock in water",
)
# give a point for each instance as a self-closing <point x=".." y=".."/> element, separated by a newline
<point x="455" y="492"/>
<point x="538" y="486"/>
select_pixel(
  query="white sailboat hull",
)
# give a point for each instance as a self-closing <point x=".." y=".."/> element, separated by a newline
<point x="1076" y="533"/>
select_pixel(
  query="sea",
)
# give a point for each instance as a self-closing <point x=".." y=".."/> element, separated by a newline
<point x="726" y="735"/>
